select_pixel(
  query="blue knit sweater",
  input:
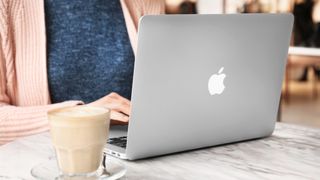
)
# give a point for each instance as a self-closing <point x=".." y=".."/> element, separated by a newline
<point x="89" y="52"/>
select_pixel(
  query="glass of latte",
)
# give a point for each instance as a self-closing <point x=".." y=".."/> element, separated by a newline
<point x="79" y="135"/>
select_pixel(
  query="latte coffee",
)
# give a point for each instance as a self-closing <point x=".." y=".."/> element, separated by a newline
<point x="79" y="135"/>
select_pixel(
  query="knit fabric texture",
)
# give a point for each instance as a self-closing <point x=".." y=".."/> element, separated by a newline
<point x="88" y="48"/>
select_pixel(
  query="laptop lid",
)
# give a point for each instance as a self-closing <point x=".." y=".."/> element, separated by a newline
<point x="204" y="80"/>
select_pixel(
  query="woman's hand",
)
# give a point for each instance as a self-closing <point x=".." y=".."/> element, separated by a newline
<point x="119" y="106"/>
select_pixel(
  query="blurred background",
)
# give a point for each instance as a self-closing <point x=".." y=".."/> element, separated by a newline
<point x="300" y="103"/>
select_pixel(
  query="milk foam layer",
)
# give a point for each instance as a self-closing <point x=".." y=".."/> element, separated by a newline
<point x="80" y="111"/>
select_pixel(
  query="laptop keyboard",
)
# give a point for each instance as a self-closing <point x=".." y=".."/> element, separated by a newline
<point x="118" y="141"/>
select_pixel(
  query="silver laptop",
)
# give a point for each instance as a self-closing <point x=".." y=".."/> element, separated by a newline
<point x="203" y="80"/>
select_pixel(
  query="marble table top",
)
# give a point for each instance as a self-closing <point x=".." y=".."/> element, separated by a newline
<point x="292" y="152"/>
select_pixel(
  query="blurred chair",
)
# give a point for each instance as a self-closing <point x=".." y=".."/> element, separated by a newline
<point x="302" y="57"/>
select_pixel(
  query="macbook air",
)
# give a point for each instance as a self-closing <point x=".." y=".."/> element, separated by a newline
<point x="203" y="80"/>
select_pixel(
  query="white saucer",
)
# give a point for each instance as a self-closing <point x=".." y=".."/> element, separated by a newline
<point x="49" y="171"/>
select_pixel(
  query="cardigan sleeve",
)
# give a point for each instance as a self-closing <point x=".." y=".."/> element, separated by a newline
<point x="16" y="121"/>
<point x="139" y="8"/>
<point x="134" y="9"/>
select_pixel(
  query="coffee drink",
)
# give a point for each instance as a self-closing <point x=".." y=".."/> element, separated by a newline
<point x="79" y="135"/>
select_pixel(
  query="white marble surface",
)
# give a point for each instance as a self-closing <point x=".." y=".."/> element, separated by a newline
<point x="292" y="152"/>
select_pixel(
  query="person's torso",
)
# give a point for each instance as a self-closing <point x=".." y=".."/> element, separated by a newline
<point x="88" y="50"/>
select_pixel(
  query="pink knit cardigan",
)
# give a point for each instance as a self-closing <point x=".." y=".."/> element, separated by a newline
<point x="24" y="94"/>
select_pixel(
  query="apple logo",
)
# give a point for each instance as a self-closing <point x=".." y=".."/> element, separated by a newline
<point x="215" y="84"/>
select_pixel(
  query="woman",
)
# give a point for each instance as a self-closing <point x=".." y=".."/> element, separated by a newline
<point x="56" y="53"/>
